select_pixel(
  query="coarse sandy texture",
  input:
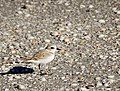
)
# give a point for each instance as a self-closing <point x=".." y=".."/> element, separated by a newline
<point x="86" y="31"/>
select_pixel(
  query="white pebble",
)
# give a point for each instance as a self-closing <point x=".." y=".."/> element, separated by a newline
<point x="6" y="58"/>
<point x="67" y="40"/>
<point x="101" y="36"/>
<point x="118" y="26"/>
<point x="22" y="86"/>
<point x="20" y="12"/>
<point x="17" y="77"/>
<point x="84" y="89"/>
<point x="116" y="19"/>
<point x="114" y="9"/>
<point x="119" y="71"/>
<point x="79" y="28"/>
<point x="55" y="33"/>
<point x="91" y="6"/>
<point x="47" y="40"/>
<point x="99" y="84"/>
<point x="82" y="6"/>
<point x="111" y="76"/>
<point x="27" y="15"/>
<point x="98" y="78"/>
<point x="54" y="68"/>
<point x="118" y="12"/>
<point x="101" y="21"/>
<point x="62" y="77"/>
<point x="74" y="84"/>
<point x="13" y="51"/>
<point x="43" y="79"/>
<point x="7" y="89"/>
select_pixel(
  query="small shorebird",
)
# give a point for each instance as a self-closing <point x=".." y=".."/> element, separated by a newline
<point x="43" y="56"/>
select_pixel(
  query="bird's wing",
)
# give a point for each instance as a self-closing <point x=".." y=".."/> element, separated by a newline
<point x="40" y="55"/>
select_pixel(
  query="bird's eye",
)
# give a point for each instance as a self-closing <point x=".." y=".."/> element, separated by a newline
<point x="52" y="47"/>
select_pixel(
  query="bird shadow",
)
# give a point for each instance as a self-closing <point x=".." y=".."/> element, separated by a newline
<point x="18" y="70"/>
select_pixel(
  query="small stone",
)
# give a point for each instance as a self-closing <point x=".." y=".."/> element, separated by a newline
<point x="27" y="15"/>
<point x="61" y="28"/>
<point x="111" y="76"/>
<point x="82" y="6"/>
<point x="114" y="9"/>
<point x="47" y="40"/>
<point x="91" y="6"/>
<point x="102" y="21"/>
<point x="62" y="77"/>
<point x="54" y="68"/>
<point x="118" y="12"/>
<point x="99" y="84"/>
<point x="118" y="26"/>
<point x="101" y="36"/>
<point x="7" y="89"/>
<point x="22" y="87"/>
<point x="74" y="84"/>
<point x="119" y="71"/>
<point x="84" y="89"/>
<point x="62" y="38"/>
<point x="67" y="40"/>
<point x="20" y="12"/>
<point x="96" y="11"/>
<point x="17" y="77"/>
<point x="79" y="28"/>
<point x="55" y="33"/>
<point x="116" y="19"/>
<point x="6" y="58"/>
<point x="83" y="67"/>
<point x="13" y="51"/>
<point x="67" y="3"/>
<point x="11" y="47"/>
<point x="98" y="78"/>
<point x="43" y="79"/>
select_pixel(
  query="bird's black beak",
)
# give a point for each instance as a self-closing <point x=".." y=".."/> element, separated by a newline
<point x="58" y="49"/>
<point x="46" y="47"/>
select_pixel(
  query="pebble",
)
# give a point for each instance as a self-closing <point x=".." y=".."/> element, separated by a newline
<point x="19" y="12"/>
<point x="55" y="33"/>
<point x="63" y="77"/>
<point x="118" y="26"/>
<point x="111" y="76"/>
<point x="47" y="40"/>
<point x="84" y="89"/>
<point x="102" y="36"/>
<point x="22" y="87"/>
<point x="74" y="84"/>
<point x="98" y="78"/>
<point x="27" y="15"/>
<point x="102" y="21"/>
<point x="67" y="40"/>
<point x="119" y="71"/>
<point x="114" y="9"/>
<point x="91" y="6"/>
<point x="99" y="84"/>
<point x="7" y="89"/>
<point x="43" y="79"/>
<point x="54" y="68"/>
<point x="118" y="12"/>
<point x="6" y="58"/>
<point x="82" y="6"/>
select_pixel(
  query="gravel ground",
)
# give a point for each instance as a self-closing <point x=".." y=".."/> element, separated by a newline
<point x="86" y="31"/>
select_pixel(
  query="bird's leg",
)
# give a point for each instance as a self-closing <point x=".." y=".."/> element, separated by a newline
<point x="41" y="69"/>
<point x="39" y="66"/>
